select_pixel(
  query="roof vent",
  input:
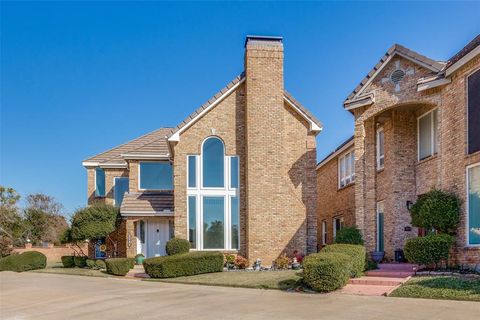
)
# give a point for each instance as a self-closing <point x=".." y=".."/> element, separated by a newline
<point x="397" y="76"/>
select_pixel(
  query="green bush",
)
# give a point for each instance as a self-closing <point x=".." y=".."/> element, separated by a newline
<point x="30" y="260"/>
<point x="356" y="252"/>
<point x="80" y="262"/>
<point x="118" y="266"/>
<point x="428" y="250"/>
<point x="100" y="264"/>
<point x="131" y="261"/>
<point x="177" y="246"/>
<point x="91" y="264"/>
<point x="349" y="235"/>
<point x="68" y="261"/>
<point x="327" y="271"/>
<point x="186" y="264"/>
<point x="436" y="210"/>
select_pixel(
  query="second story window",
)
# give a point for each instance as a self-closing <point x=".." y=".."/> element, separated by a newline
<point x="155" y="176"/>
<point x="346" y="169"/>
<point x="213" y="163"/>
<point x="99" y="182"/>
<point x="473" y="95"/>
<point x="119" y="190"/>
<point x="427" y="134"/>
<point x="380" y="149"/>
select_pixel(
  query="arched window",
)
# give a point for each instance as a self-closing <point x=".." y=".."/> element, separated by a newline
<point x="213" y="163"/>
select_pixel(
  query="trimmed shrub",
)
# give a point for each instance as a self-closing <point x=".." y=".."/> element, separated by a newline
<point x="80" y="262"/>
<point x="91" y="264"/>
<point x="327" y="271"/>
<point x="356" y="252"/>
<point x="118" y="266"/>
<point x="177" y="246"/>
<point x="437" y="210"/>
<point x="240" y="262"/>
<point x="131" y="261"/>
<point x="186" y="264"/>
<point x="428" y="250"/>
<point x="349" y="235"/>
<point x="282" y="262"/>
<point x="100" y="264"/>
<point x="68" y="262"/>
<point x="30" y="260"/>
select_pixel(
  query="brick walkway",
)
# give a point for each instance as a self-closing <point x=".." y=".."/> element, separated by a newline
<point x="137" y="273"/>
<point x="382" y="281"/>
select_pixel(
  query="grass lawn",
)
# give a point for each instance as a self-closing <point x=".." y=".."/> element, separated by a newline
<point x="281" y="280"/>
<point x="440" y="287"/>
<point x="57" y="268"/>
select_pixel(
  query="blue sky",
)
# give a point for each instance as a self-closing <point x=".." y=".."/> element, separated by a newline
<point x="78" y="78"/>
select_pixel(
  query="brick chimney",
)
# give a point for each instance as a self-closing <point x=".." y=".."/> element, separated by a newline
<point x="265" y="148"/>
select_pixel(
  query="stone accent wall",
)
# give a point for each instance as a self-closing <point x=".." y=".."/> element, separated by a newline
<point x="333" y="202"/>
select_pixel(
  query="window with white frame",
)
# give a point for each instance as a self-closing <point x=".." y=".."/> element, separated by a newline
<point x="427" y="134"/>
<point x="324" y="232"/>
<point x="380" y="149"/>
<point x="213" y="198"/>
<point x="337" y="225"/>
<point x="473" y="205"/>
<point x="346" y="169"/>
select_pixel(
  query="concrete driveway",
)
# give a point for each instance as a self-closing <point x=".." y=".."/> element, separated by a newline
<point x="47" y="296"/>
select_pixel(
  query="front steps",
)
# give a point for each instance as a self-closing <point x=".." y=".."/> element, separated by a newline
<point x="382" y="281"/>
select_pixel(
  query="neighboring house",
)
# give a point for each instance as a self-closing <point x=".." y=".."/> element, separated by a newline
<point x="237" y="175"/>
<point x="417" y="127"/>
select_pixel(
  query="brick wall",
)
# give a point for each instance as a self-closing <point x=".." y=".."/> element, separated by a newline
<point x="53" y="253"/>
<point x="110" y="174"/>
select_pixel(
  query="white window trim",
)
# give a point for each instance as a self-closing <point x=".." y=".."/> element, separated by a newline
<point x="379" y="203"/>
<point x="226" y="192"/>
<point x="324" y="232"/>
<point x="114" y="184"/>
<point x="467" y="108"/>
<point x="467" y="220"/>
<point x="432" y="151"/>
<point x="380" y="157"/>
<point x="352" y="173"/>
<point x="139" y="175"/>
<point x="335" y="225"/>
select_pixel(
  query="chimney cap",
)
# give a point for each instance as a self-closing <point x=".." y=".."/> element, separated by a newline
<point x="272" y="39"/>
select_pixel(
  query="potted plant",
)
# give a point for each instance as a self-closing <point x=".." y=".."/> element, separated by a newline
<point x="377" y="256"/>
<point x="139" y="258"/>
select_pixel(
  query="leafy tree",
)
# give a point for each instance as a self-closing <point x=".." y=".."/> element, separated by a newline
<point x="12" y="228"/>
<point x="437" y="210"/>
<point x="44" y="219"/>
<point x="94" y="222"/>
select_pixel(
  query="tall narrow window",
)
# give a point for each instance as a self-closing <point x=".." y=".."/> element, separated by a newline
<point x="346" y="169"/>
<point x="213" y="163"/>
<point x="324" y="232"/>
<point x="156" y="176"/>
<point x="192" y="171"/>
<point x="427" y="134"/>
<point x="121" y="187"/>
<point x="380" y="224"/>
<point x="99" y="182"/>
<point x="337" y="225"/>
<point x="473" y="180"/>
<point x="192" y="221"/>
<point x="474" y="112"/>
<point x="235" y="217"/>
<point x="213" y="222"/>
<point x="380" y="149"/>
<point x="234" y="172"/>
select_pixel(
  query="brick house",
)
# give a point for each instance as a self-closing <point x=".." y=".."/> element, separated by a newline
<point x="417" y="127"/>
<point x="237" y="175"/>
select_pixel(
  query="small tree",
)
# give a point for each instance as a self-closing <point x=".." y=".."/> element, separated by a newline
<point x="12" y="226"/>
<point x="349" y="235"/>
<point x="437" y="210"/>
<point x="94" y="222"/>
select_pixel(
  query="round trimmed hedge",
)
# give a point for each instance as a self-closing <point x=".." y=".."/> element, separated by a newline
<point x="80" y="261"/>
<point x="118" y="266"/>
<point x="177" y="246"/>
<point x="327" y="271"/>
<point x="356" y="252"/>
<point x="428" y="250"/>
<point x="68" y="261"/>
<point x="30" y="260"/>
<point x="349" y="235"/>
<point x="100" y="264"/>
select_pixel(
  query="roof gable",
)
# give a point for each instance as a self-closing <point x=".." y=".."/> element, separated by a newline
<point x="395" y="50"/>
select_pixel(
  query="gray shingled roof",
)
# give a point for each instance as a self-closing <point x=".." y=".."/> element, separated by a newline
<point x="153" y="142"/>
<point x="147" y="203"/>
<point x="396" y="48"/>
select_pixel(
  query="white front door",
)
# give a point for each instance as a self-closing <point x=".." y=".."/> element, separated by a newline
<point x="157" y="237"/>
